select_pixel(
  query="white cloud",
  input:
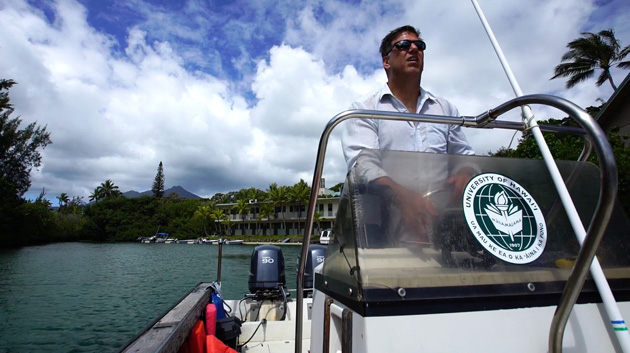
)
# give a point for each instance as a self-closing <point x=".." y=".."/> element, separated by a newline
<point x="115" y="110"/>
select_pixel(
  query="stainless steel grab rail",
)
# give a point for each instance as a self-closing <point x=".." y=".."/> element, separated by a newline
<point x="603" y="211"/>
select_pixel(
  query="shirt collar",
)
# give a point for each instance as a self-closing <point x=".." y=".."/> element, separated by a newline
<point x="386" y="93"/>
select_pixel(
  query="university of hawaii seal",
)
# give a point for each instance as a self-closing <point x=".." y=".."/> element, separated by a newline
<point x="504" y="218"/>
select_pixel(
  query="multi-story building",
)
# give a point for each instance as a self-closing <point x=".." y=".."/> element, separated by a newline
<point x="288" y="219"/>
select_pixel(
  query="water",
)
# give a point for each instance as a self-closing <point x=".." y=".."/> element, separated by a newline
<point x="82" y="297"/>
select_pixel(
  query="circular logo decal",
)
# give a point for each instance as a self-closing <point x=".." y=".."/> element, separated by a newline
<point x="504" y="218"/>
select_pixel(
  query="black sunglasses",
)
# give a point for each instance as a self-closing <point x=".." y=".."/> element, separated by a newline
<point x="406" y="44"/>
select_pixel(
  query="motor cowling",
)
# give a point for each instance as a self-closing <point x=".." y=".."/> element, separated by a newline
<point x="315" y="256"/>
<point x="266" y="271"/>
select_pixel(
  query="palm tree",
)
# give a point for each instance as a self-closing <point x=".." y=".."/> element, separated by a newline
<point x="242" y="208"/>
<point x="218" y="216"/>
<point x="255" y="194"/>
<point x="108" y="189"/>
<point x="265" y="211"/>
<point x="300" y="194"/>
<point x="592" y="51"/>
<point x="63" y="200"/>
<point x="227" y="222"/>
<point x="96" y="195"/>
<point x="279" y="196"/>
<point x="204" y="213"/>
<point x="317" y="218"/>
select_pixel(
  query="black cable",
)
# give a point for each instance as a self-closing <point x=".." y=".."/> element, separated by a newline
<point x="240" y="313"/>
<point x="226" y="304"/>
<point x="264" y="321"/>
<point x="259" y="309"/>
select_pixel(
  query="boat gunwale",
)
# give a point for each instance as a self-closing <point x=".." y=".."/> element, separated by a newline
<point x="179" y="327"/>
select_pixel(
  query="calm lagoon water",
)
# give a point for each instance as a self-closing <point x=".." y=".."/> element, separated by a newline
<point x="83" y="297"/>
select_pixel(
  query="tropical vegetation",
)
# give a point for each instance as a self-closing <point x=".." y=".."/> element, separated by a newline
<point x="592" y="52"/>
<point x="20" y="221"/>
<point x="569" y="147"/>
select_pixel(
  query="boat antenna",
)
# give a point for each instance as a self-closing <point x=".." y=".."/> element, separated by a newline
<point x="610" y="304"/>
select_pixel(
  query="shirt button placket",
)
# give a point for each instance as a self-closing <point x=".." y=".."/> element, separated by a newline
<point x="418" y="138"/>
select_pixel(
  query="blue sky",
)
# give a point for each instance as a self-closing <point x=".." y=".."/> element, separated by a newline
<point x="233" y="94"/>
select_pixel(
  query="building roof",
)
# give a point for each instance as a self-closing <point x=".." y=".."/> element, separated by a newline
<point x="617" y="111"/>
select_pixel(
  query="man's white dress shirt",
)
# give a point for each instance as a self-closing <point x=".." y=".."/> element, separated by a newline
<point x="360" y="134"/>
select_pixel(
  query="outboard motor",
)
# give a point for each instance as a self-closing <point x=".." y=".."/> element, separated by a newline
<point x="266" y="274"/>
<point x="315" y="256"/>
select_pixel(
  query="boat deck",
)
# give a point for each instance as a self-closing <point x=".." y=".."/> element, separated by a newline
<point x="275" y="336"/>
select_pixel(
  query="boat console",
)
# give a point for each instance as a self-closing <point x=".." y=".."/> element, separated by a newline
<point x="504" y="241"/>
<point x="523" y="256"/>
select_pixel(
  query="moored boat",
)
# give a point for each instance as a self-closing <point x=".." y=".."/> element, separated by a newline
<point x="324" y="237"/>
<point x="234" y="242"/>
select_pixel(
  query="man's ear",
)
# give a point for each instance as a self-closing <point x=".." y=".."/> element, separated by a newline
<point x="386" y="62"/>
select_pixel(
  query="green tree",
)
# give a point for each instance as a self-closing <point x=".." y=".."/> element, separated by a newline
<point x="242" y="194"/>
<point x="242" y="207"/>
<point x="18" y="147"/>
<point x="592" y="52"/>
<point x="337" y="187"/>
<point x="75" y="206"/>
<point x="218" y="215"/>
<point x="299" y="194"/>
<point x="227" y="222"/>
<point x="63" y="200"/>
<point x="279" y="196"/>
<point x="121" y="219"/>
<point x="108" y="189"/>
<point x="266" y="210"/>
<point x="95" y="196"/>
<point x="45" y="202"/>
<point x="256" y="194"/>
<point x="158" y="183"/>
<point x="317" y="218"/>
<point x="204" y="213"/>
<point x="10" y="218"/>
<point x="37" y="225"/>
<point x="568" y="147"/>
<point x="217" y="198"/>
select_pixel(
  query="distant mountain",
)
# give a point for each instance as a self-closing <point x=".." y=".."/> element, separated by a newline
<point x="132" y="194"/>
<point x="174" y="190"/>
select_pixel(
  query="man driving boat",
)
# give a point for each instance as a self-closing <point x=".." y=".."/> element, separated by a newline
<point x="402" y="52"/>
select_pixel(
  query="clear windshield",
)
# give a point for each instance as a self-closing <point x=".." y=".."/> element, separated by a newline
<point x="504" y="230"/>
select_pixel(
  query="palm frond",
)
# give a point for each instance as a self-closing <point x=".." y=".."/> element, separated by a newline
<point x="603" y="77"/>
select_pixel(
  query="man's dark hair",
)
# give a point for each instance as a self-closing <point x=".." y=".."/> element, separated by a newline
<point x="386" y="44"/>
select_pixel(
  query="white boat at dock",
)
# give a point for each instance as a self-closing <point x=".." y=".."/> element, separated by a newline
<point x="501" y="270"/>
